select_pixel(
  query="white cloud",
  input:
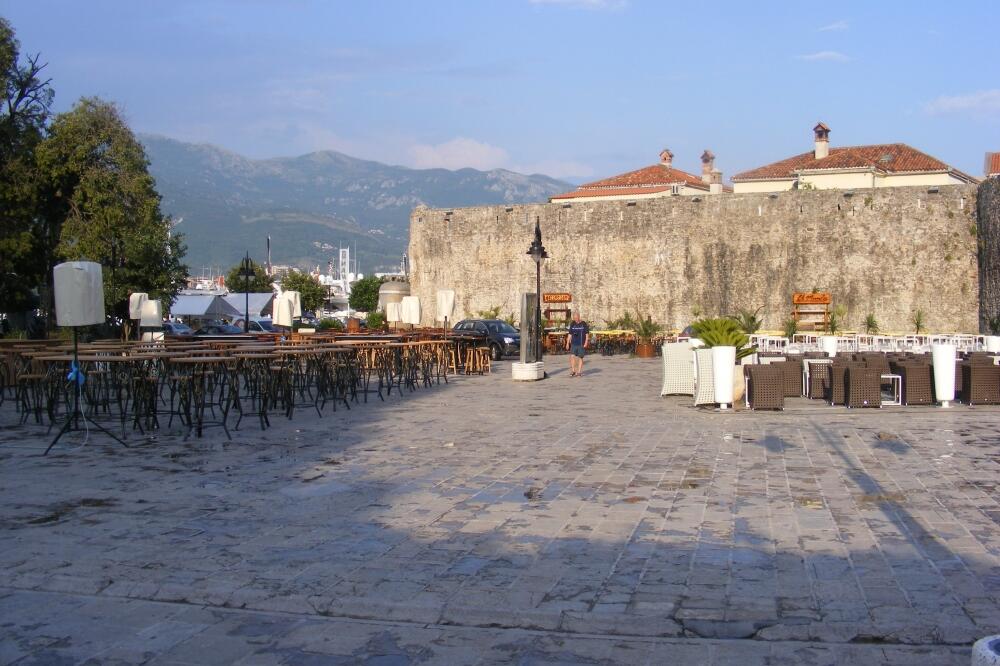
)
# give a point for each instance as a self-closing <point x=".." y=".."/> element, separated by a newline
<point x="828" y="56"/>
<point x="458" y="153"/>
<point x="584" y="4"/>
<point x="982" y="102"/>
<point x="835" y="26"/>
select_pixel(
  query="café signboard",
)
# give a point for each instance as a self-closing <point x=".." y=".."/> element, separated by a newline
<point x="811" y="298"/>
<point x="557" y="297"/>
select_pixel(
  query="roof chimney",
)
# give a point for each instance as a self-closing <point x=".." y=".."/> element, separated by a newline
<point x="715" y="182"/>
<point x="666" y="157"/>
<point x="707" y="165"/>
<point x="822" y="133"/>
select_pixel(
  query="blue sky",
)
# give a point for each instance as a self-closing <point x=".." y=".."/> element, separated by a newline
<point x="576" y="89"/>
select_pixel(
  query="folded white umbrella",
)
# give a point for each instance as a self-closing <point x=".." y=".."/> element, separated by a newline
<point x="296" y="300"/>
<point x="410" y="310"/>
<point x="283" y="309"/>
<point x="445" y="304"/>
<point x="135" y="302"/>
<point x="393" y="312"/>
<point x="151" y="314"/>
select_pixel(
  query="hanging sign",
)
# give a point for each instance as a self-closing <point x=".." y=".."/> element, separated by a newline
<point x="557" y="297"/>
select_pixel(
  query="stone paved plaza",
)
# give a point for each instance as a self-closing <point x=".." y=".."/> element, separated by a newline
<point x="569" y="521"/>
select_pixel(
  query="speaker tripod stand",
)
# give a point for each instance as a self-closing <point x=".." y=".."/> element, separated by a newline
<point x="74" y="417"/>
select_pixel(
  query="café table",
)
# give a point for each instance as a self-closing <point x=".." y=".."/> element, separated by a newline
<point x="203" y="383"/>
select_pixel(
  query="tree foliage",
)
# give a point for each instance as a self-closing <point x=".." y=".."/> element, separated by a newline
<point x="260" y="283"/>
<point x="311" y="292"/>
<point x="103" y="201"/>
<point x="24" y="110"/>
<point x="74" y="187"/>
<point x="364" y="294"/>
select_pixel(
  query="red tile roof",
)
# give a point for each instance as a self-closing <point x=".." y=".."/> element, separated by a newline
<point x="890" y="158"/>
<point x="649" y="180"/>
<point x="611" y="192"/>
<point x="992" y="164"/>
<point x="651" y="176"/>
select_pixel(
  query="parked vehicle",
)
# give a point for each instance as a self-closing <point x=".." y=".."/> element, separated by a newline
<point x="218" y="329"/>
<point x="504" y="338"/>
<point x="257" y="325"/>
<point x="177" y="328"/>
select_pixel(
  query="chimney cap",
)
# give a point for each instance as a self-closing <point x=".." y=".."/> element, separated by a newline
<point x="707" y="156"/>
<point x="822" y="132"/>
<point x="666" y="157"/>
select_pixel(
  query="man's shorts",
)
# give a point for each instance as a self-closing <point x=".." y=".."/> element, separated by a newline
<point x="578" y="350"/>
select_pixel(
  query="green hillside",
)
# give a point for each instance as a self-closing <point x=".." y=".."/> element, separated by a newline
<point x="226" y="204"/>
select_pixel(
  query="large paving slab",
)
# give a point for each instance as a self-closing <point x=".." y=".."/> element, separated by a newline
<point x="575" y="517"/>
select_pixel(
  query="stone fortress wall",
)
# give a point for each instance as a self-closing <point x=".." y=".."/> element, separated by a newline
<point x="886" y="251"/>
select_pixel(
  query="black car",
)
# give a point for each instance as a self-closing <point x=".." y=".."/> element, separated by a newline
<point x="218" y="329"/>
<point x="504" y="338"/>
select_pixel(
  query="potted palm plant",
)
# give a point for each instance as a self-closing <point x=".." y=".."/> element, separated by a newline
<point x="724" y="334"/>
<point x="645" y="330"/>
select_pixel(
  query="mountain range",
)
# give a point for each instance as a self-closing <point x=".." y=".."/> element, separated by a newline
<point x="226" y="204"/>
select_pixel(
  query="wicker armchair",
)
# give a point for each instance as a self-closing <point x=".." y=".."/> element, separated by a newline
<point x="863" y="387"/>
<point x="791" y="372"/>
<point x="704" y="384"/>
<point x="836" y="393"/>
<point x="917" y="382"/>
<point x="980" y="384"/>
<point x="819" y="380"/>
<point x="765" y="386"/>
<point x="678" y="369"/>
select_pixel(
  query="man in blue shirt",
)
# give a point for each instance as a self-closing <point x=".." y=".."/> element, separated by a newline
<point x="577" y="342"/>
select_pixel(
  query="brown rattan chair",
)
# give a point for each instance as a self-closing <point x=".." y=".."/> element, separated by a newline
<point x="916" y="380"/>
<point x="980" y="384"/>
<point x="863" y="387"/>
<point x="791" y="372"/>
<point x="836" y="391"/>
<point x="819" y="380"/>
<point x="765" y="386"/>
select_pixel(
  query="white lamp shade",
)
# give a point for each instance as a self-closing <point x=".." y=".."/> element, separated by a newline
<point x="943" y="361"/>
<point x="410" y="310"/>
<point x="283" y="312"/>
<point x="393" y="312"/>
<point x="151" y="315"/>
<point x="135" y="302"/>
<point x="445" y="304"/>
<point x="79" y="292"/>
<point x="723" y="367"/>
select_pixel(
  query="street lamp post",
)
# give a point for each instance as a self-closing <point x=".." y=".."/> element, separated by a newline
<point x="246" y="268"/>
<point x="538" y="254"/>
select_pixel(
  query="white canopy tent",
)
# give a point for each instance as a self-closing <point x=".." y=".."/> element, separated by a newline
<point x="260" y="303"/>
<point x="203" y="306"/>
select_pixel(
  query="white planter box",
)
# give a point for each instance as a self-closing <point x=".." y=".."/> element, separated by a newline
<point x="527" y="372"/>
